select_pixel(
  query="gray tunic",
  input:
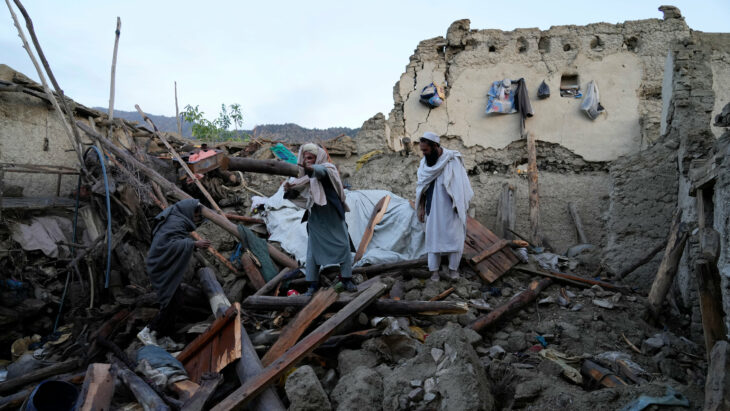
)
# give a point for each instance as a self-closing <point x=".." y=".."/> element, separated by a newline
<point x="329" y="241"/>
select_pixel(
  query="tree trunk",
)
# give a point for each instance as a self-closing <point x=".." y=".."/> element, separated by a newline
<point x="514" y="304"/>
<point x="251" y="165"/>
<point x="668" y="268"/>
<point x="535" y="237"/>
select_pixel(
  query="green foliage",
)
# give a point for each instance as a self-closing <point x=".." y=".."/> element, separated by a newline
<point x="218" y="129"/>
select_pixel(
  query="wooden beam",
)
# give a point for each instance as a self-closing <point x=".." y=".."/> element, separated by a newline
<point x="40" y="374"/>
<point x="582" y="239"/>
<point x="239" y="398"/>
<point x="710" y="288"/>
<point x="514" y="304"/>
<point x="98" y="389"/>
<point x="249" y="365"/>
<point x="252" y="272"/>
<point x="377" y="215"/>
<point x="574" y="279"/>
<point x="668" y="268"/>
<point x="251" y="165"/>
<point x="117" y="32"/>
<point x="273" y="283"/>
<point x="506" y="213"/>
<point x="648" y="257"/>
<point x="296" y="327"/>
<point x="145" y="395"/>
<point x="198" y="401"/>
<point x="532" y="177"/>
<point x="244" y="219"/>
<point x="372" y="270"/>
<point x="381" y="307"/>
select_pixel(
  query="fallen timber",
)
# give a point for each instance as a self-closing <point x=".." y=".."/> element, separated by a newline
<point x="382" y="307"/>
<point x="514" y="304"/>
<point x="275" y="167"/>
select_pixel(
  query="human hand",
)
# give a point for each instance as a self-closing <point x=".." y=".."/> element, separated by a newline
<point x="202" y="244"/>
<point x="422" y="214"/>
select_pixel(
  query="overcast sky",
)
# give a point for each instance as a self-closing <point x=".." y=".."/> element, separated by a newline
<point x="318" y="63"/>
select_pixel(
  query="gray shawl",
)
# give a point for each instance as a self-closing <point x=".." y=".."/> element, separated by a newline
<point x="171" y="249"/>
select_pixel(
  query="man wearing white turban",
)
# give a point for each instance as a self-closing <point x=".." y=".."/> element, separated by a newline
<point x="319" y="190"/>
<point x="443" y="193"/>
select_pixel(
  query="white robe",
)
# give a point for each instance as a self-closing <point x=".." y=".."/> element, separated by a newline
<point x="446" y="222"/>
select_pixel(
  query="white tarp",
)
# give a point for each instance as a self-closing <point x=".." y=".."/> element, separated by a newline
<point x="398" y="237"/>
<point x="44" y="233"/>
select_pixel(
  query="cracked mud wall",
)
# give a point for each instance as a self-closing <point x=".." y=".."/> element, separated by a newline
<point x="626" y="60"/>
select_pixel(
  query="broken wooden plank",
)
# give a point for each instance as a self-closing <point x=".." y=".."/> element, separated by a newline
<point x="249" y="365"/>
<point x="582" y="239"/>
<point x="574" y="279"/>
<point x="668" y="268"/>
<point x="480" y="238"/>
<point x="380" y="307"/>
<point x="273" y="283"/>
<point x="496" y="247"/>
<point x="371" y="270"/>
<point x="378" y="212"/>
<point x="98" y="389"/>
<point x="296" y="327"/>
<point x="648" y="257"/>
<point x="40" y="374"/>
<point x="239" y="398"/>
<point x="251" y="165"/>
<point x="216" y="347"/>
<point x="710" y="288"/>
<point x="506" y="213"/>
<point x="514" y="304"/>
<point x="209" y="383"/>
<point x="252" y="272"/>
<point x="185" y="389"/>
<point x="144" y="394"/>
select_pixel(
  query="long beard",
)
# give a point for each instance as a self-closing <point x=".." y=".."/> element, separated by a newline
<point x="432" y="158"/>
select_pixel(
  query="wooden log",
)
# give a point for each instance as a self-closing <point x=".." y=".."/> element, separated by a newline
<point x="372" y="270"/>
<point x="710" y="288"/>
<point x="532" y="174"/>
<point x="252" y="272"/>
<point x="380" y="307"/>
<point x="249" y="365"/>
<point x="648" y="257"/>
<point x="251" y="165"/>
<point x="40" y="374"/>
<point x="278" y="256"/>
<point x="184" y="389"/>
<point x="506" y="213"/>
<point x="582" y="239"/>
<point x="70" y="131"/>
<point x="717" y="386"/>
<point x="514" y="304"/>
<point x="179" y="159"/>
<point x="668" y="268"/>
<point x="112" y="82"/>
<point x="600" y="375"/>
<point x="239" y="398"/>
<point x="207" y="387"/>
<point x="575" y="280"/>
<point x="145" y="395"/>
<point x="219" y="303"/>
<point x="296" y="327"/>
<point x="377" y="215"/>
<point x="443" y="295"/>
<point x="98" y="389"/>
<point x="397" y="291"/>
<point x="273" y="283"/>
<point x="244" y="219"/>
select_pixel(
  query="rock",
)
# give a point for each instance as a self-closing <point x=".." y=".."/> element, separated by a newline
<point x="329" y="380"/>
<point x="651" y="345"/>
<point x="670" y="12"/>
<point x="603" y="303"/>
<point x="416" y="394"/>
<point x="576" y="307"/>
<point x="528" y="390"/>
<point x="361" y="389"/>
<point x="429" y="397"/>
<point x="506" y="292"/>
<point x="413" y="284"/>
<point x="547" y="300"/>
<point x="457" y="31"/>
<point x="717" y="388"/>
<point x="393" y="348"/>
<point x="501" y="335"/>
<point x="348" y="360"/>
<point x="569" y="330"/>
<point x="436" y="354"/>
<point x="672" y="369"/>
<point x="480" y="304"/>
<point x="413" y="295"/>
<point x="304" y="391"/>
<point x="472" y="337"/>
<point x="516" y="342"/>
<point x="429" y="385"/>
<point x="496" y="351"/>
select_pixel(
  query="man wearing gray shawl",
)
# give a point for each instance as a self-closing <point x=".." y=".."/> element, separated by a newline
<point x="319" y="190"/>
<point x="443" y="193"/>
<point x="167" y="262"/>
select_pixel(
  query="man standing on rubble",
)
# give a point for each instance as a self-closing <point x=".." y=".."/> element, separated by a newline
<point x="443" y="193"/>
<point x="167" y="262"/>
<point x="319" y="190"/>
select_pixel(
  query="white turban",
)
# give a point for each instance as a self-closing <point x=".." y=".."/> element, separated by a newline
<point x="310" y="148"/>
<point x="432" y="137"/>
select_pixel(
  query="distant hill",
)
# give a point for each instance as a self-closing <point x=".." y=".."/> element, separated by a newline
<point x="289" y="132"/>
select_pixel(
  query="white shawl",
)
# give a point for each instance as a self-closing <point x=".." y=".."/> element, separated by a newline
<point x="311" y="189"/>
<point x="456" y="182"/>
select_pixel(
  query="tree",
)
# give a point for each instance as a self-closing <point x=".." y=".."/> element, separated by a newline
<point x="218" y="129"/>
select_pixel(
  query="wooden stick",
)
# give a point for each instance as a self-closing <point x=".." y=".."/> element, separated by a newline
<point x="278" y="256"/>
<point x="668" y="268"/>
<point x="239" y="398"/>
<point x="251" y="165"/>
<point x="582" y="239"/>
<point x="68" y="129"/>
<point x="532" y="174"/>
<point x="177" y="114"/>
<point x="574" y="279"/>
<point x="117" y="32"/>
<point x="443" y="294"/>
<point x="506" y="214"/>
<point x="252" y="272"/>
<point x="144" y="394"/>
<point x="98" y="388"/>
<point x="381" y="307"/>
<point x="630" y="344"/>
<point x="601" y="375"/>
<point x="296" y="327"/>
<point x="271" y="285"/>
<point x="179" y="160"/>
<point x="249" y="365"/>
<point x="514" y="304"/>
<point x="244" y="219"/>
<point x="389" y="267"/>
<point x="33" y="376"/>
<point x="710" y="288"/>
<point x="378" y="212"/>
<point x="648" y="257"/>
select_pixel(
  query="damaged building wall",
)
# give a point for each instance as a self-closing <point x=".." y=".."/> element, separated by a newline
<point x="626" y="60"/>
